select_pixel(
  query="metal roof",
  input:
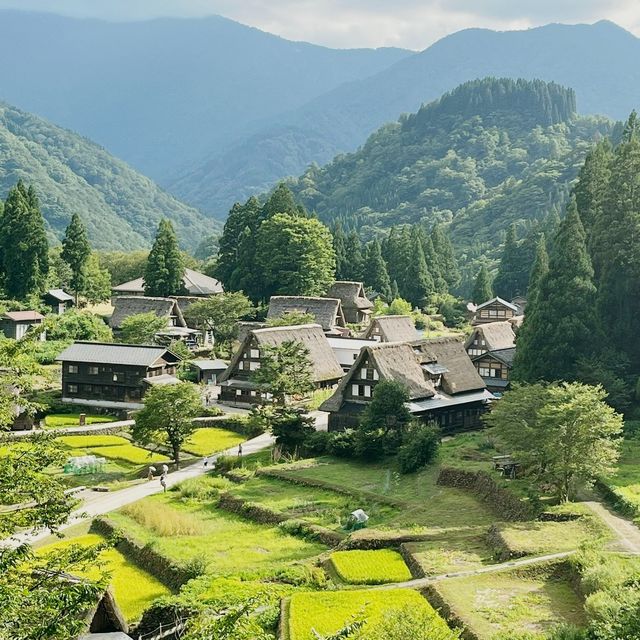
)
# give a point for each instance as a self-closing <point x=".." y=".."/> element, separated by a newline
<point x="499" y="301"/>
<point x="165" y="378"/>
<point x="59" y="295"/>
<point x="441" y="400"/>
<point x="113" y="353"/>
<point x="23" y="316"/>
<point x="209" y="365"/>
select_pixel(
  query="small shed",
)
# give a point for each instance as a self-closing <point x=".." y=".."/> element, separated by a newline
<point x="15" y="324"/>
<point x="209" y="370"/>
<point x="59" y="300"/>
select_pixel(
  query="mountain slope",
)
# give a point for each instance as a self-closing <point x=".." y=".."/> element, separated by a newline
<point x="120" y="207"/>
<point x="162" y="93"/>
<point x="598" y="61"/>
<point x="490" y="153"/>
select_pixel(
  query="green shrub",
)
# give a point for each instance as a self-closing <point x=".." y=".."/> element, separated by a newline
<point x="342" y="444"/>
<point x="317" y="444"/>
<point x="419" y="448"/>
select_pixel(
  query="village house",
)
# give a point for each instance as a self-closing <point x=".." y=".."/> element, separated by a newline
<point x="112" y="375"/>
<point x="442" y="384"/>
<point x="495" y="310"/>
<point x="347" y="350"/>
<point x="492" y="347"/>
<point x="208" y="371"/>
<point x="168" y="308"/>
<point x="236" y="384"/>
<point x="15" y="324"/>
<point x="195" y="284"/>
<point x="357" y="308"/>
<point x="59" y="300"/>
<point x="392" y="329"/>
<point x="327" y="312"/>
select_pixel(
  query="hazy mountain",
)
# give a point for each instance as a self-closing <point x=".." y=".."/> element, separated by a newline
<point x="71" y="174"/>
<point x="162" y="93"/>
<point x="598" y="61"/>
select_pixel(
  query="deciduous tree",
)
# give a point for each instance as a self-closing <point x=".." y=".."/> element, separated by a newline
<point x="141" y="328"/>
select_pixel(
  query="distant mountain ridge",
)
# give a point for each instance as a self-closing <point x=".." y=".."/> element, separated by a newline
<point x="598" y="61"/>
<point x="162" y="93"/>
<point x="120" y="207"/>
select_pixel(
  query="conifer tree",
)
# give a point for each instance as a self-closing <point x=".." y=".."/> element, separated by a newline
<point x="75" y="252"/>
<point x="281" y="201"/>
<point x="482" y="289"/>
<point x="447" y="260"/>
<point x="339" y="241"/>
<point x="354" y="265"/>
<point x="539" y="270"/>
<point x="25" y="251"/>
<point x="418" y="285"/>
<point x="433" y="263"/>
<point x="506" y="283"/>
<point x="616" y="249"/>
<point x="560" y="325"/>
<point x="375" y="271"/>
<point x="392" y="251"/>
<point x="164" y="272"/>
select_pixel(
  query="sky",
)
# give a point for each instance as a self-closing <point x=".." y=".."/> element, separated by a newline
<point x="413" y="24"/>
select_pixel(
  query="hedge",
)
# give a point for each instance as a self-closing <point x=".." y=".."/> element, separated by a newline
<point x="502" y="501"/>
<point x="617" y="500"/>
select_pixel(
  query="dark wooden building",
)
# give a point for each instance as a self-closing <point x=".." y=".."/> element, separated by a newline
<point x="495" y="310"/>
<point x="357" y="308"/>
<point x="15" y="324"/>
<point x="442" y="384"/>
<point x="59" y="300"/>
<point x="208" y="371"/>
<point x="236" y="385"/>
<point x="114" y="376"/>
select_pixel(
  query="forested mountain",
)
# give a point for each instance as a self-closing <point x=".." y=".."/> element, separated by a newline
<point x="120" y="207"/>
<point x="490" y="153"/>
<point x="597" y="61"/>
<point x="162" y="93"/>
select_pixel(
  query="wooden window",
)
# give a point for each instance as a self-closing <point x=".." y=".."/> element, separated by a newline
<point x="354" y="390"/>
<point x="241" y="365"/>
<point x="72" y="368"/>
<point x="253" y="366"/>
<point x="72" y="388"/>
<point x="94" y="371"/>
<point x="502" y="313"/>
<point x="367" y="391"/>
<point x="255" y="353"/>
<point x="375" y="374"/>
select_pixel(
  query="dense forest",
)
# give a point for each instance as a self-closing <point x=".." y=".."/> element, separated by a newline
<point x="487" y="155"/>
<point x="120" y="207"/>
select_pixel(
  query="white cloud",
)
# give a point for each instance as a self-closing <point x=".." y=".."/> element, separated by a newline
<point x="352" y="23"/>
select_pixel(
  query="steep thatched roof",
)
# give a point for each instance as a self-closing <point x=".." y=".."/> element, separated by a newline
<point x="392" y="329"/>
<point x="393" y="361"/>
<point x="461" y="376"/>
<point x="126" y="306"/>
<point x="195" y="284"/>
<point x="327" y="312"/>
<point x="497" y="335"/>
<point x="351" y="294"/>
<point x="324" y="365"/>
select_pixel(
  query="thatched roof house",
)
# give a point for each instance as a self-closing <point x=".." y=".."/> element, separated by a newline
<point x="194" y="283"/>
<point x="127" y="306"/>
<point x="442" y="384"/>
<point x="356" y="306"/>
<point x="490" y="337"/>
<point x="492" y="348"/>
<point x="236" y="384"/>
<point x="392" y="329"/>
<point x="327" y="312"/>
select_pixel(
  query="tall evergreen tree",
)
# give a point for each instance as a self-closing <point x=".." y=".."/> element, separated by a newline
<point x="25" y="251"/>
<point x="560" y="327"/>
<point x="433" y="263"/>
<point x="446" y="257"/>
<point x="282" y="201"/>
<point x="506" y="283"/>
<point x="164" y="271"/>
<point x="375" y="273"/>
<point x="482" y="289"/>
<point x="418" y="285"/>
<point x="354" y="265"/>
<point x="75" y="252"/>
<point x="539" y="270"/>
<point x="339" y="242"/>
<point x="615" y="246"/>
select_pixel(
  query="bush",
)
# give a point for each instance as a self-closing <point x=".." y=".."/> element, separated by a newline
<point x="419" y="448"/>
<point x="317" y="444"/>
<point x="342" y="444"/>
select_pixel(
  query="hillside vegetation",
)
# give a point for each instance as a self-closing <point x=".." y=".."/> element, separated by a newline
<point x="120" y="207"/>
<point x="490" y="153"/>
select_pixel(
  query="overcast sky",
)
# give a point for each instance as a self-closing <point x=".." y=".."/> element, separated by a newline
<point x="414" y="24"/>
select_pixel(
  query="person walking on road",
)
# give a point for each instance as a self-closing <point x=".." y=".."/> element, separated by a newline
<point x="240" y="450"/>
<point x="163" y="482"/>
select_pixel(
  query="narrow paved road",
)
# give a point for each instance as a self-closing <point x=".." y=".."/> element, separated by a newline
<point x="523" y="562"/>
<point x="627" y="533"/>
<point x="96" y="503"/>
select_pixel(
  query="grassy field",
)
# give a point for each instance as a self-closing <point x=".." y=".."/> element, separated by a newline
<point x="112" y="448"/>
<point x="426" y="503"/>
<point x="133" y="588"/>
<point x="63" y="420"/>
<point x="326" y="612"/>
<point x="455" y="550"/>
<point x="204" y="442"/>
<point x="186" y="529"/>
<point x="370" y="567"/>
<point x="513" y="602"/>
<point x="626" y="481"/>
